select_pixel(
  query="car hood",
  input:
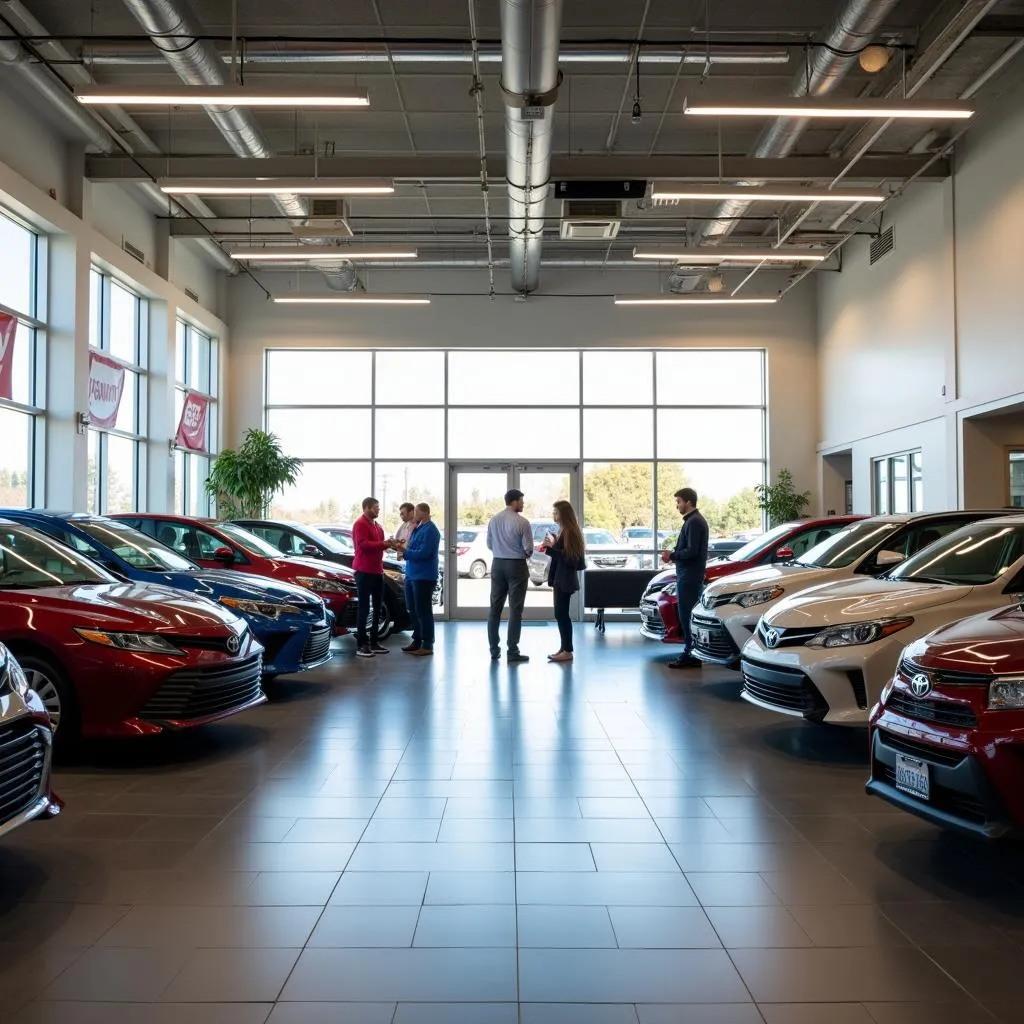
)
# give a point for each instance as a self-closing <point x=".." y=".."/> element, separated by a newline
<point x="320" y="567"/>
<point x="215" y="583"/>
<point x="769" y="576"/>
<point x="719" y="567"/>
<point x="859" y="601"/>
<point x="989" y="643"/>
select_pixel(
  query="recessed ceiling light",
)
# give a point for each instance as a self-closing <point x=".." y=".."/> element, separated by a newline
<point x="764" y="193"/>
<point x="216" y="95"/>
<point x="866" y="109"/>
<point x="708" y="255"/>
<point x="274" y="186"/>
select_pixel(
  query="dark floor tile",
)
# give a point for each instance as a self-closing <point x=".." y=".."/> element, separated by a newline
<point x="731" y="889"/>
<point x="577" y="1013"/>
<point x="151" y="1013"/>
<point x="231" y="976"/>
<point x="454" y="1013"/>
<point x="757" y="928"/>
<point x="565" y="927"/>
<point x="726" y="1013"/>
<point x="946" y="924"/>
<point x="332" y="1013"/>
<point x="943" y="1013"/>
<point x="985" y="973"/>
<point x="32" y="926"/>
<point x="118" y="975"/>
<point x="848" y="926"/>
<point x="815" y="1013"/>
<point x="150" y="927"/>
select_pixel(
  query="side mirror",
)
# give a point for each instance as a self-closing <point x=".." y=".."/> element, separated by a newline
<point x="784" y="554"/>
<point x="888" y="559"/>
<point x="312" y="550"/>
<point x="224" y="554"/>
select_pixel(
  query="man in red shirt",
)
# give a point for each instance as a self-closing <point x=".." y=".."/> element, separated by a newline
<point x="368" y="540"/>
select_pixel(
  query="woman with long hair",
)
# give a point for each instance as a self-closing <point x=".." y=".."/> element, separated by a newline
<point x="567" y="552"/>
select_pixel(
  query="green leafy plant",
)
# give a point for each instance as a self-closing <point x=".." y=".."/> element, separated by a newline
<point x="780" y="501"/>
<point x="244" y="480"/>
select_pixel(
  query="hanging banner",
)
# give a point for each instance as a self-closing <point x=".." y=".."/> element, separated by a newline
<point x="192" y="426"/>
<point x="8" y="327"/>
<point x="106" y="384"/>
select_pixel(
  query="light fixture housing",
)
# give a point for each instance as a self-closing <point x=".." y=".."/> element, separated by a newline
<point x="353" y="299"/>
<point x="315" y="253"/>
<point x="275" y="186"/>
<point x="149" y="95"/>
<point x="713" y="255"/>
<point x="856" y="108"/>
<point x="701" y="299"/>
<point x="765" y="193"/>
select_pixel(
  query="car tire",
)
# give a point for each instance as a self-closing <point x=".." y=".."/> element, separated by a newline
<point x="58" y="695"/>
<point x="478" y="570"/>
<point x="387" y="625"/>
<point x="537" y="583"/>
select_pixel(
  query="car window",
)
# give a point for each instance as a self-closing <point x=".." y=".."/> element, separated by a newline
<point x="245" y="540"/>
<point x="467" y="536"/>
<point x="598" y="537"/>
<point x="29" y="560"/>
<point x="847" y="545"/>
<point x="760" y="545"/>
<point x="131" y="545"/>
<point x="915" y="537"/>
<point x="807" y="539"/>
<point x="209" y="544"/>
<point x="972" y="556"/>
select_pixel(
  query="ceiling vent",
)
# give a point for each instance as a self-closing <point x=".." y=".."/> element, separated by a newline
<point x="882" y="246"/>
<point x="328" y="218"/>
<point x="134" y="251"/>
<point x="590" y="219"/>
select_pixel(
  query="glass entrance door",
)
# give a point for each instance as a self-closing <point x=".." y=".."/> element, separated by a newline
<point x="475" y="493"/>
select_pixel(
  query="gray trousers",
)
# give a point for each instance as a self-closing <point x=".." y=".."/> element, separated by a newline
<point x="509" y="579"/>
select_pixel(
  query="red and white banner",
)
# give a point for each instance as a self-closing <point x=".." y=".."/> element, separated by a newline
<point x="8" y="328"/>
<point x="192" y="426"/>
<point x="106" y="385"/>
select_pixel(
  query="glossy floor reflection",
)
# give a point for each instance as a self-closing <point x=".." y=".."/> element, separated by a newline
<point x="408" y="840"/>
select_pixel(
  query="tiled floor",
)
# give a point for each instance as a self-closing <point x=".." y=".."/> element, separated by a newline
<point x="407" y="841"/>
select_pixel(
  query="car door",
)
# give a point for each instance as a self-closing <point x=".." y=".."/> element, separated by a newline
<point x="207" y="545"/>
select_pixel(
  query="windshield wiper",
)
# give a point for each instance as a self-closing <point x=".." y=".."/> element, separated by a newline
<point x="923" y="579"/>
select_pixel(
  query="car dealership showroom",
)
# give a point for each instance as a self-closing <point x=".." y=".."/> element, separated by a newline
<point x="638" y="385"/>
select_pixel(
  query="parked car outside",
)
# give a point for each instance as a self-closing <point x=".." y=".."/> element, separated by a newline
<point x="603" y="552"/>
<point x="658" y="616"/>
<point x="729" y="608"/>
<point x="946" y="735"/>
<point x="214" y="544"/>
<point x="26" y="750"/>
<point x="109" y="658"/>
<point x="721" y="547"/>
<point x="291" y="624"/>
<point x="825" y="654"/>
<point x="299" y="539"/>
<point x="472" y="556"/>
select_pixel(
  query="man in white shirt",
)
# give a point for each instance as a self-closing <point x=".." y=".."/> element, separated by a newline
<point x="510" y="541"/>
<point x="406" y="512"/>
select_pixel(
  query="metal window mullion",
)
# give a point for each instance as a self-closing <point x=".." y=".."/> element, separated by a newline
<point x="654" y="427"/>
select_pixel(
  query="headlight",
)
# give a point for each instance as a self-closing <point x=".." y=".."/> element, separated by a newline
<point x="1006" y="694"/>
<point x="669" y="589"/>
<point x="395" y="574"/>
<point x="750" y="598"/>
<point x="858" y="633"/>
<point x="146" y="643"/>
<point x="12" y="671"/>
<point x="265" y="609"/>
<point x="320" y="585"/>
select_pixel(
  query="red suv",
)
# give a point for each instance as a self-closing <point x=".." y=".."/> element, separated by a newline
<point x="658" y="617"/>
<point x="947" y="737"/>
<point x="214" y="544"/>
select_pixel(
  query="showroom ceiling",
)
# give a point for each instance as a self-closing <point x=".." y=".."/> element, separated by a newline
<point x="421" y="128"/>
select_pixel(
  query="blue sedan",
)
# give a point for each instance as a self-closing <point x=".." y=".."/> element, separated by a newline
<point x="292" y="624"/>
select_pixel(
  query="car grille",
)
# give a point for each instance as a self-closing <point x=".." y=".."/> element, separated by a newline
<point x="783" y="688"/>
<point x="211" y="643"/>
<point x="22" y="762"/>
<point x="961" y="805"/>
<point x="317" y="646"/>
<point x="940" y="712"/>
<point x="785" y="637"/>
<point x="720" y="643"/>
<point x="610" y="561"/>
<point x="652" y="618"/>
<point x="909" y="669"/>
<point x="198" y="693"/>
<point x="924" y="751"/>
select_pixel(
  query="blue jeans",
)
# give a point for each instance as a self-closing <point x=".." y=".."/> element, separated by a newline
<point x="419" y="599"/>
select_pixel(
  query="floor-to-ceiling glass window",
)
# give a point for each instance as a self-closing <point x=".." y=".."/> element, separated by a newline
<point x="196" y="371"/>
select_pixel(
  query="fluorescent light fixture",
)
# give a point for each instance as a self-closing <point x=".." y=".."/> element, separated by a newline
<point x="353" y="299"/>
<point x="765" y="193"/>
<point x="274" y="186"/>
<point x="853" y="109"/>
<point x="712" y="254"/>
<point x="216" y="96"/>
<point x="695" y="300"/>
<point x="312" y="253"/>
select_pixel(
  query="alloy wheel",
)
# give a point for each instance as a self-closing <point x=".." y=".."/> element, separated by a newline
<point x="47" y="691"/>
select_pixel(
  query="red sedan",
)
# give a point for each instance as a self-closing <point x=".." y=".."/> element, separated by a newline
<point x="109" y="658"/>
<point x="947" y="737"/>
<point x="658" y="617"/>
<point x="215" y="544"/>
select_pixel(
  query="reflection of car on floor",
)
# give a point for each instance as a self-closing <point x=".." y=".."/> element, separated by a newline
<point x="26" y="750"/>
<point x="826" y="653"/>
<point x="109" y="658"/>
<point x="603" y="552"/>
<point x="947" y="735"/>
<point x="658" y="617"/>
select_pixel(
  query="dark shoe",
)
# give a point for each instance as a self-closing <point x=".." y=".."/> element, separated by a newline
<point x="410" y="648"/>
<point x="423" y="652"/>
<point x="495" y="655"/>
<point x="685" y="662"/>
<point x="364" y="651"/>
<point x="517" y="658"/>
<point x="379" y="648"/>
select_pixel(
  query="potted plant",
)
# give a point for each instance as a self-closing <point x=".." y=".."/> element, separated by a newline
<point x="244" y="480"/>
<point x="780" y="501"/>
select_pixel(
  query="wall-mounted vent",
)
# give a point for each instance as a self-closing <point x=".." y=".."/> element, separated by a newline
<point x="194" y="296"/>
<point x="134" y="251"/>
<point x="882" y="246"/>
<point x="590" y="219"/>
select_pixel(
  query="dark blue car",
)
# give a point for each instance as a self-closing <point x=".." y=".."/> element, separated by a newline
<point x="291" y="623"/>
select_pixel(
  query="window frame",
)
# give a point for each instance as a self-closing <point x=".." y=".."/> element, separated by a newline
<point x="884" y="483"/>
<point x="185" y="458"/>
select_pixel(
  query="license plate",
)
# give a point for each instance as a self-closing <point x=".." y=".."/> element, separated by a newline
<point x="912" y="777"/>
<point x="702" y="636"/>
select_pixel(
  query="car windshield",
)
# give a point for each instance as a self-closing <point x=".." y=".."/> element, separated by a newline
<point x="847" y="546"/>
<point x="133" y="546"/>
<point x="466" y="536"/>
<point x="29" y="560"/>
<point x="756" y="546"/>
<point x="325" y="541"/>
<point x="972" y="556"/>
<point x="341" y="536"/>
<point x="249" y="541"/>
<point x="638" y="533"/>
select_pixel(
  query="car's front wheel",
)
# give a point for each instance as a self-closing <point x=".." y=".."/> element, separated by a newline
<point x="478" y="570"/>
<point x="386" y="625"/>
<point x="57" y="695"/>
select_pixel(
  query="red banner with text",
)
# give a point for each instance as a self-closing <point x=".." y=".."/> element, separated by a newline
<point x="8" y="328"/>
<point x="192" y="425"/>
<point x="106" y="385"/>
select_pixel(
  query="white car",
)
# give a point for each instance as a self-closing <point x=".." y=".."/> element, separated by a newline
<point x="826" y="654"/>
<point x="729" y="608"/>
<point x="472" y="556"/>
<point x="603" y="552"/>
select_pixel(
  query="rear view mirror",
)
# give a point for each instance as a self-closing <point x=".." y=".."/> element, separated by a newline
<point x="784" y="555"/>
<point x="889" y="559"/>
<point x="224" y="554"/>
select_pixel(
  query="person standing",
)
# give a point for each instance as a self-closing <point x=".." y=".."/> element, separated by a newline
<point x="421" y="563"/>
<point x="368" y="564"/>
<point x="691" y="558"/>
<point x="567" y="552"/>
<point x="510" y="541"/>
<point x="407" y="514"/>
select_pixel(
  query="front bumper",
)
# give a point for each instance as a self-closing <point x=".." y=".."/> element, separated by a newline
<point x="712" y="641"/>
<point x="345" y="608"/>
<point x="26" y="754"/>
<point x="295" y="648"/>
<point x="651" y="625"/>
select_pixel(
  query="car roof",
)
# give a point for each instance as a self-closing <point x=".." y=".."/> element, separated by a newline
<point x="917" y="517"/>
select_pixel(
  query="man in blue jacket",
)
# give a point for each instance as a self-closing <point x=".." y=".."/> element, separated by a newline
<point x="421" y="554"/>
<point x="691" y="558"/>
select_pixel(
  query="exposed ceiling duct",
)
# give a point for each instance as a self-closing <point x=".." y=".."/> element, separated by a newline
<point x="529" y="82"/>
<point x="853" y="28"/>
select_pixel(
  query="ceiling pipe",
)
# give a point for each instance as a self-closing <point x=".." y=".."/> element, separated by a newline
<point x="853" y="28"/>
<point x="529" y="85"/>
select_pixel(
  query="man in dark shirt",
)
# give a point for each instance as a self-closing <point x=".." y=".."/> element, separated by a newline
<point x="690" y="557"/>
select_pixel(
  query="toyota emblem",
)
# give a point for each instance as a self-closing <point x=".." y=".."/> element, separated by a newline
<point x="921" y="684"/>
<point x="233" y="644"/>
<point x="771" y="638"/>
